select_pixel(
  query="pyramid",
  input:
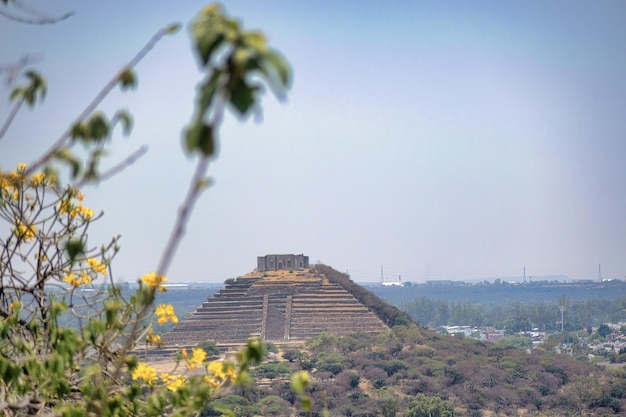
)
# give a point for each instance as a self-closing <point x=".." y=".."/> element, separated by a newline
<point x="278" y="306"/>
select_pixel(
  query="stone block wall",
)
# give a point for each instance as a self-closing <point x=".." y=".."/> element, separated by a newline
<point x="279" y="262"/>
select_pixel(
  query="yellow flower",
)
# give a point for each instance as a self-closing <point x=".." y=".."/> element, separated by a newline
<point x="38" y="179"/>
<point x="67" y="207"/>
<point x="174" y="383"/>
<point x="184" y="353"/>
<point x="198" y="355"/>
<point x="64" y="206"/>
<point x="86" y="212"/>
<point x="97" y="266"/>
<point x="211" y="382"/>
<point x="153" y="339"/>
<point x="26" y="232"/>
<point x="43" y="257"/>
<point x="229" y="369"/>
<point x="21" y="167"/>
<point x="222" y="370"/>
<point x="145" y="372"/>
<point x="85" y="279"/>
<point x="72" y="280"/>
<point x="165" y="313"/>
<point x="153" y="280"/>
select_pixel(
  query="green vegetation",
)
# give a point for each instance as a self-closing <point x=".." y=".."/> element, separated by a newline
<point x="68" y="334"/>
<point x="516" y="316"/>
<point x="411" y="371"/>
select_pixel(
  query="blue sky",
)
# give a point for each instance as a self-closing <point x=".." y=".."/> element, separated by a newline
<point x="443" y="140"/>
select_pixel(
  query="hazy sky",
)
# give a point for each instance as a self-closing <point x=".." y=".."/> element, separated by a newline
<point x="443" y="140"/>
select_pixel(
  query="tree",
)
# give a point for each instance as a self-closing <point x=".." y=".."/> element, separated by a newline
<point x="388" y="404"/>
<point x="604" y="330"/>
<point x="272" y="405"/>
<point x="517" y="341"/>
<point x="424" y="406"/>
<point x="68" y="334"/>
<point x="210" y="347"/>
<point x="272" y="369"/>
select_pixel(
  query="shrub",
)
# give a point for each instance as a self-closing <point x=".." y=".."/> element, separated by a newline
<point x="68" y="333"/>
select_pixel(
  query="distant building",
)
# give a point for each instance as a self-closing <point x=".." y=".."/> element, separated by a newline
<point x="439" y="282"/>
<point x="444" y="283"/>
<point x="392" y="283"/>
<point x="176" y="286"/>
<point x="278" y="262"/>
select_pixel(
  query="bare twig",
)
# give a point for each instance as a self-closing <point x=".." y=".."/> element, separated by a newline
<point x="13" y="69"/>
<point x="195" y="188"/>
<point x="183" y="216"/>
<point x="42" y="20"/>
<point x="10" y="118"/>
<point x="128" y="161"/>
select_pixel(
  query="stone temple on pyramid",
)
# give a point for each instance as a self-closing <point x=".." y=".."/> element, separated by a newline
<point x="283" y="300"/>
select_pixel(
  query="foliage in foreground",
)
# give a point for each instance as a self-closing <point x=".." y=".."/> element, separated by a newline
<point x="49" y="269"/>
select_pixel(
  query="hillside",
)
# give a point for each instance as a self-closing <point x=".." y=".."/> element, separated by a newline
<point x="411" y="371"/>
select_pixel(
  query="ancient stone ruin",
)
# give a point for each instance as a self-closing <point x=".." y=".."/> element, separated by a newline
<point x="278" y="262"/>
<point x="276" y="305"/>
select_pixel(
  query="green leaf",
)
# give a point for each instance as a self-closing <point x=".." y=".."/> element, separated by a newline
<point x="79" y="131"/>
<point x="172" y="28"/>
<point x="17" y="93"/>
<point x="51" y="172"/>
<point x="255" y="351"/>
<point x="92" y="173"/>
<point x="127" y="78"/>
<point x="200" y="137"/>
<point x="255" y="40"/>
<point x="205" y="183"/>
<point x="126" y="119"/>
<point x="208" y="31"/>
<point x="280" y="65"/>
<point x="34" y="90"/>
<point x="243" y="96"/>
<point x="37" y="83"/>
<point x="242" y="57"/>
<point x="65" y="155"/>
<point x="300" y="381"/>
<point x="74" y="248"/>
<point x="111" y="308"/>
<point x="207" y="91"/>
<point x="98" y="127"/>
<point x="305" y="403"/>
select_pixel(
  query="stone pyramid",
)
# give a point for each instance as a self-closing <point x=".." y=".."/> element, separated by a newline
<point x="277" y="306"/>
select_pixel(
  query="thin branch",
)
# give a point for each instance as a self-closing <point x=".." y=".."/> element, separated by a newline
<point x="183" y="216"/>
<point x="14" y="69"/>
<point x="96" y="101"/>
<point x="128" y="161"/>
<point x="10" y="118"/>
<point x="195" y="188"/>
<point x="37" y="20"/>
